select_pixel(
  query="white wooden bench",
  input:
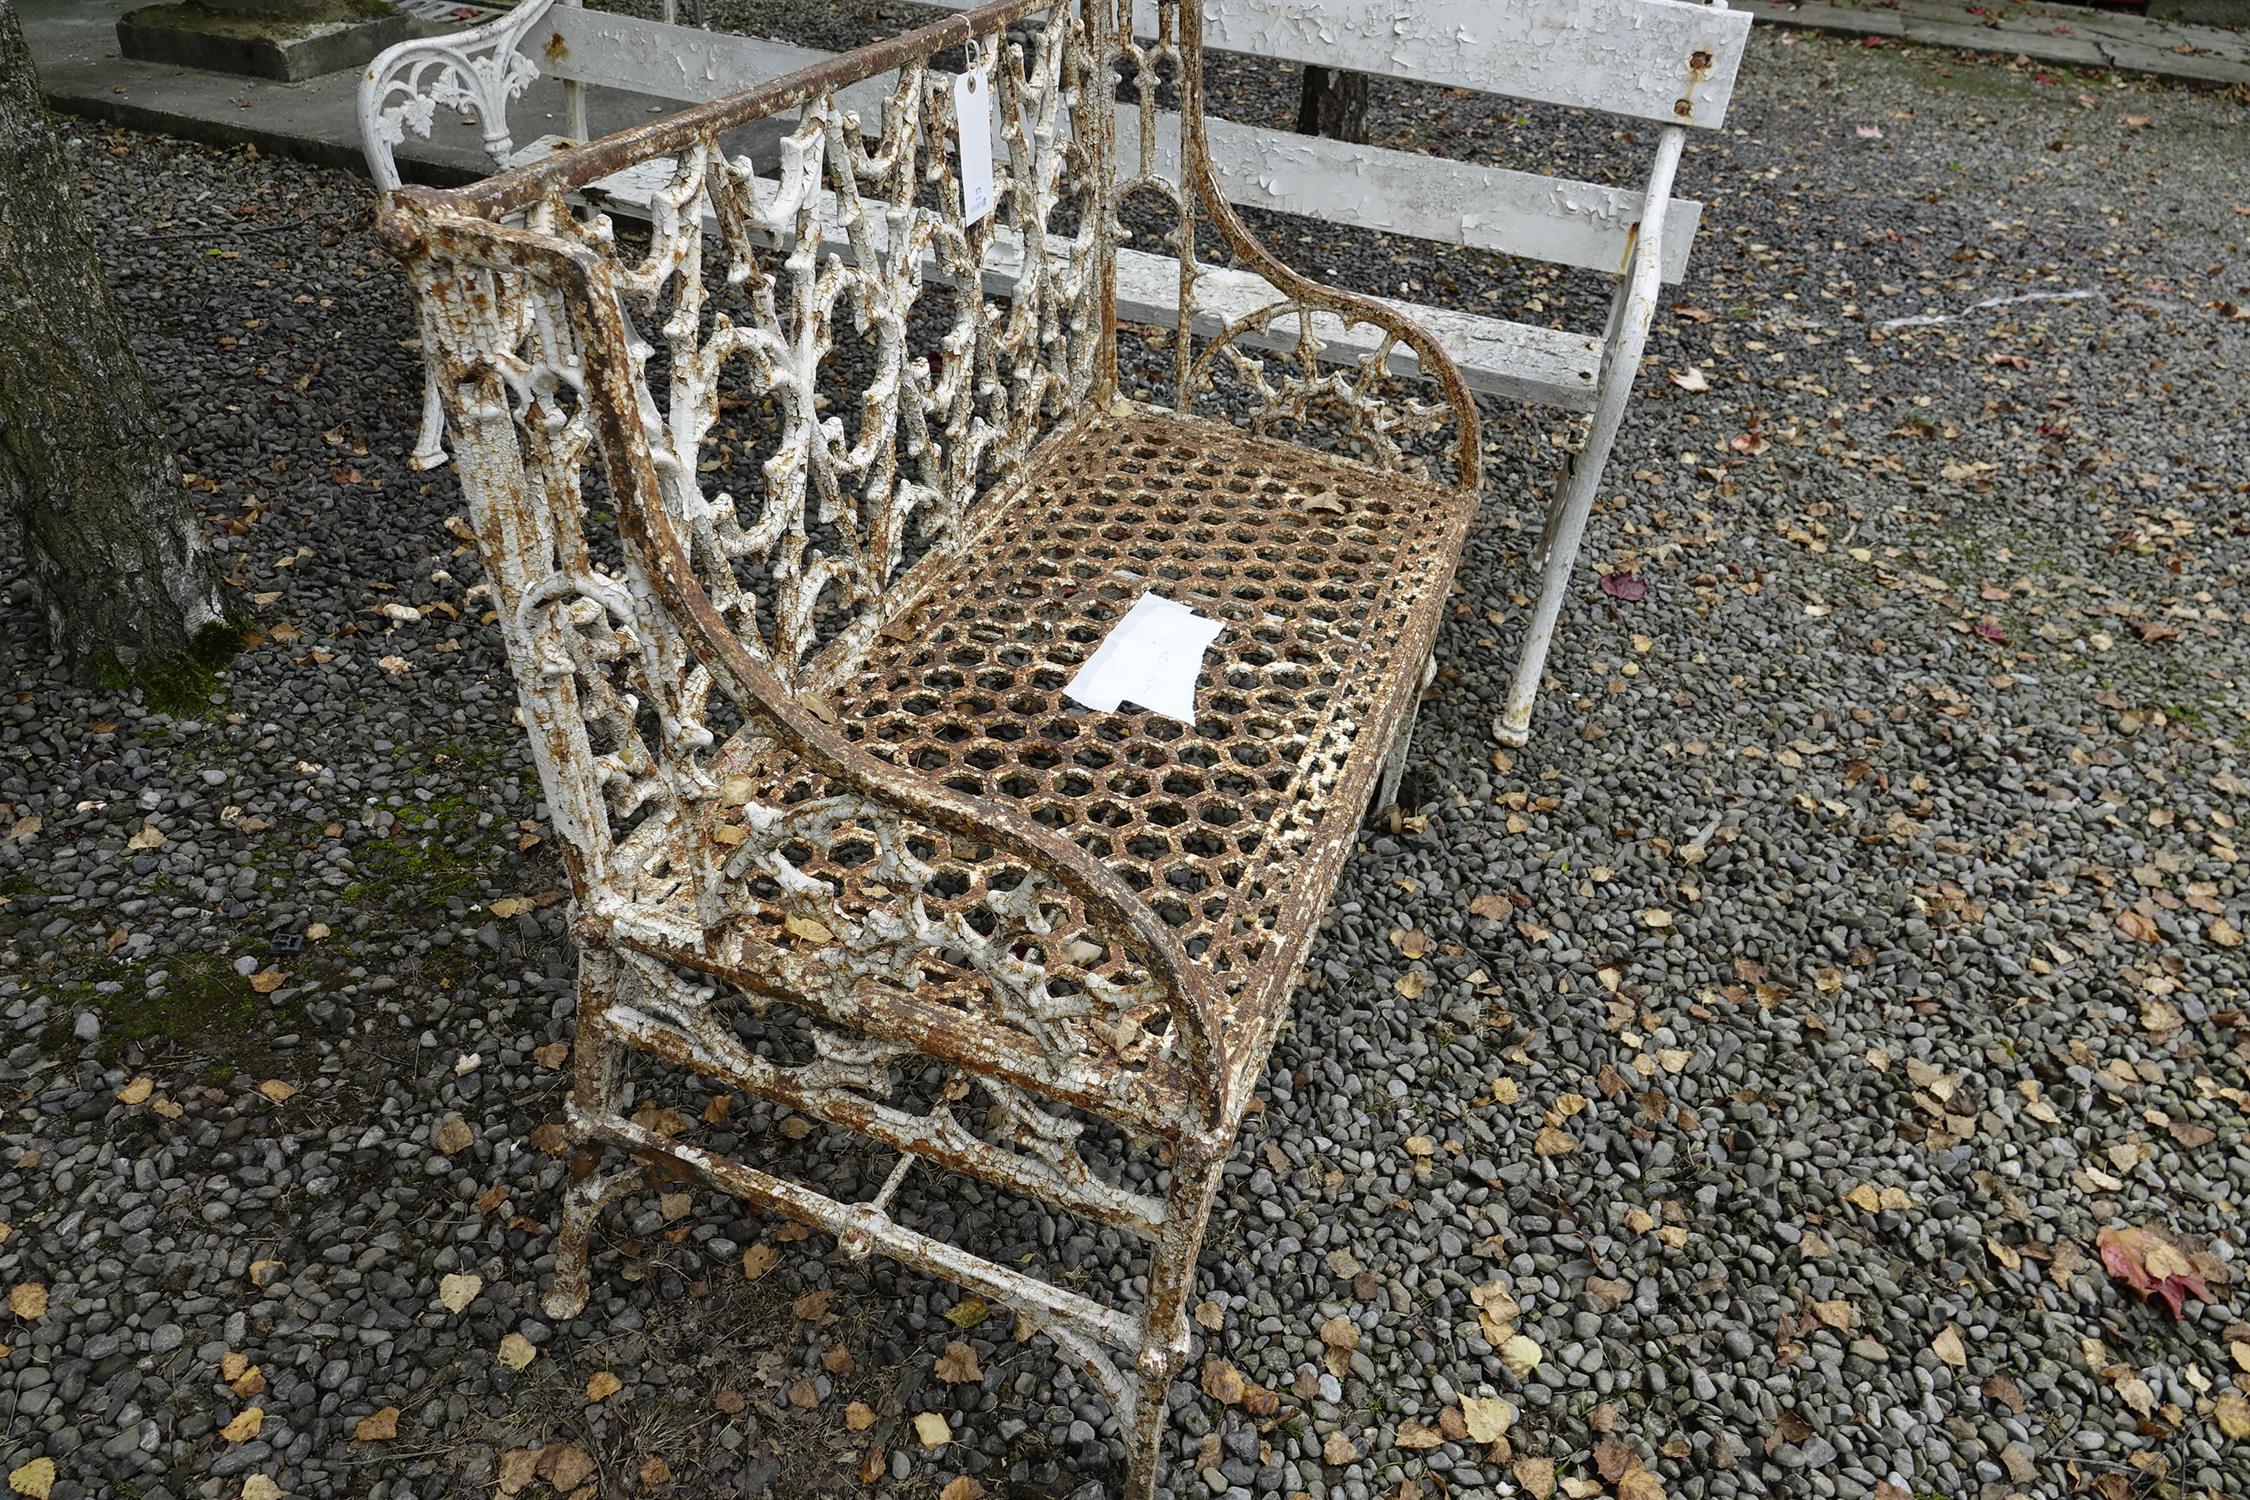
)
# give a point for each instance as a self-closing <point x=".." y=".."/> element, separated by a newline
<point x="1669" y="62"/>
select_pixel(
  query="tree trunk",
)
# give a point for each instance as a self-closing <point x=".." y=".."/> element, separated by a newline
<point x="85" y="465"/>
<point x="1333" y="103"/>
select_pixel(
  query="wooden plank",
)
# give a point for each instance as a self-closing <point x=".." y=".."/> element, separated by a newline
<point x="1640" y="58"/>
<point x="1552" y="219"/>
<point x="1542" y="366"/>
<point x="1370" y="187"/>
<point x="684" y="63"/>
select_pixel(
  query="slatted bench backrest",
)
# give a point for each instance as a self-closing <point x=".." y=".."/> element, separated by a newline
<point x="1667" y="62"/>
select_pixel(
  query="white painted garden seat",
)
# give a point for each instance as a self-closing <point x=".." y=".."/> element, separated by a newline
<point x="1670" y="62"/>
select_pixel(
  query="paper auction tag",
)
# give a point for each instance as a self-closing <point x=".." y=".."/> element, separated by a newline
<point x="972" y="107"/>
<point x="1152" y="656"/>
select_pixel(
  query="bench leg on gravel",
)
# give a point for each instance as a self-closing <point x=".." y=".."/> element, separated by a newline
<point x="1630" y="314"/>
<point x="594" y="1085"/>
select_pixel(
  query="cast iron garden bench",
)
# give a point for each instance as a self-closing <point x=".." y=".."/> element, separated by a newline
<point x="1659" y="61"/>
<point x="800" y="506"/>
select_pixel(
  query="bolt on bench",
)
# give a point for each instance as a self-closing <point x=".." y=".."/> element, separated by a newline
<point x="800" y="509"/>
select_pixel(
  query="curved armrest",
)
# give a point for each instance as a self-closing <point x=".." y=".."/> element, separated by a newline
<point x="417" y="228"/>
<point x="1352" y="307"/>
<point x="478" y="71"/>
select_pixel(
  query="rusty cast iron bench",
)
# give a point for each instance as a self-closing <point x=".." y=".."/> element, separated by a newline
<point x="801" y="507"/>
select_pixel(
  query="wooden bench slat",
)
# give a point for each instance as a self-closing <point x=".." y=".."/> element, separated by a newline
<point x="1622" y="57"/>
<point x="1552" y="219"/>
<point x="1543" y="366"/>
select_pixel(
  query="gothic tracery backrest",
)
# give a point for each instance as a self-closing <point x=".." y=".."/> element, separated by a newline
<point x="839" y="299"/>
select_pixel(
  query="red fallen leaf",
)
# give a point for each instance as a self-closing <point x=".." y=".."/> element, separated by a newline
<point x="1988" y="630"/>
<point x="2148" y="1262"/>
<point x="1625" y="586"/>
<point x="1747" y="442"/>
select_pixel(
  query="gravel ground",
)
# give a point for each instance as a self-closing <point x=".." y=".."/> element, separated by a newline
<point x="1856" y="939"/>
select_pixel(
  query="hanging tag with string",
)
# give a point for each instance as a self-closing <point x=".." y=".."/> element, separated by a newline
<point x="972" y="112"/>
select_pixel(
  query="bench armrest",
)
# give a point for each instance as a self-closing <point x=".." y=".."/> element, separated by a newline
<point x="1376" y="415"/>
<point x="476" y="71"/>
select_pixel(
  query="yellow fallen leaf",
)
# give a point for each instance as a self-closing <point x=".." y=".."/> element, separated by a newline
<point x="1338" y="1450"/>
<point x="2233" y="1414"/>
<point x="263" y="1272"/>
<point x="1410" y="984"/>
<point x="377" y="1427"/>
<point x="602" y="1385"/>
<point x="509" y="906"/>
<point x="931" y="1429"/>
<point x="1487" y="1417"/>
<point x="859" y="1416"/>
<point x="266" y="981"/>
<point x="150" y="837"/>
<point x="278" y="1092"/>
<point x="961" y="1487"/>
<point x="516" y="1351"/>
<point x="1553" y="1142"/>
<point x="1865" y="1197"/>
<point x="458" y="1291"/>
<point x="1521" y="1356"/>
<point x="28" y="1301"/>
<point x="245" y="1425"/>
<point x="259" y="1487"/>
<point x="810" y="929"/>
<point x="34" y="1480"/>
<point x="137" y="1091"/>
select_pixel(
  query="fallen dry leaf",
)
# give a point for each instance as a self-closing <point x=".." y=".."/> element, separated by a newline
<point x="28" y="1301"/>
<point x="2149" y="1263"/>
<point x="377" y="1427"/>
<point x="602" y="1385"/>
<point x="759" y="1259"/>
<point x="958" y="1364"/>
<point x="1947" y="1346"/>
<point x="1338" y="1450"/>
<point x="1537" y="1476"/>
<point x="1222" y="1382"/>
<point x="459" y="1290"/>
<point x="2233" y="1414"/>
<point x="931" y="1429"/>
<point x="245" y="1425"/>
<point x="516" y="1351"/>
<point x="260" y="1487"/>
<point x="34" y="1480"/>
<point x="277" y="1092"/>
<point x="961" y="1487"/>
<point x="137" y="1091"/>
<point x="1488" y="1418"/>
<point x="1520" y="1355"/>
<point x="859" y="1416"/>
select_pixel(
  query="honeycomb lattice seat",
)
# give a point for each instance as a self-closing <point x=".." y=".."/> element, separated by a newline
<point x="1326" y="573"/>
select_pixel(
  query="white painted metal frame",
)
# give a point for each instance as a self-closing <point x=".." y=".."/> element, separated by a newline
<point x="1670" y="61"/>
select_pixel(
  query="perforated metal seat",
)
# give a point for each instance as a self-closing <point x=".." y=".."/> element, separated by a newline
<point x="1327" y="574"/>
